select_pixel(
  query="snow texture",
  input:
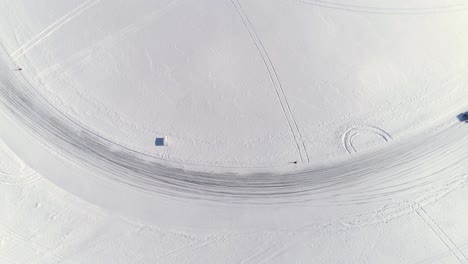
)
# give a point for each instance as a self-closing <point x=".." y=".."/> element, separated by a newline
<point x="301" y="131"/>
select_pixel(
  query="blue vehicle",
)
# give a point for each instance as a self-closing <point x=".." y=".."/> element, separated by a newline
<point x="463" y="117"/>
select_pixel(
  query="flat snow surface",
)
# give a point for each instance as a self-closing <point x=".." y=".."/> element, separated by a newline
<point x="243" y="83"/>
<point x="298" y="131"/>
<point x="43" y="224"/>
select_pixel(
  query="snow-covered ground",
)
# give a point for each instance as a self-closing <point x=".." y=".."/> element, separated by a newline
<point x="243" y="83"/>
<point x="299" y="131"/>
<point x="41" y="223"/>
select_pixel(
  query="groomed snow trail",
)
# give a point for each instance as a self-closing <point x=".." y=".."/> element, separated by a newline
<point x="404" y="169"/>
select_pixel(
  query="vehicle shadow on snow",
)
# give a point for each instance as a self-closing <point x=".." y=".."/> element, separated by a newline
<point x="463" y="117"/>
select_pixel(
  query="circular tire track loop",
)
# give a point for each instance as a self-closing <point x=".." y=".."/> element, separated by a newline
<point x="402" y="171"/>
<point x="351" y="133"/>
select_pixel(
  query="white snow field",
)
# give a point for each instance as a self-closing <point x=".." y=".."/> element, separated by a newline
<point x="298" y="131"/>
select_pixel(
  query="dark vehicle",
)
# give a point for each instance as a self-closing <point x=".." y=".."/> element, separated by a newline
<point x="463" y="117"/>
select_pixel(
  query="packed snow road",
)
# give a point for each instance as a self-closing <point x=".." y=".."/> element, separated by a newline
<point x="402" y="169"/>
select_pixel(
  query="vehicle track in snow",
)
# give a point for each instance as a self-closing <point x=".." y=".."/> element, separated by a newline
<point x="382" y="10"/>
<point x="408" y="170"/>
<point x="27" y="243"/>
<point x="351" y="133"/>
<point x="12" y="170"/>
<point x="441" y="235"/>
<point x="272" y="73"/>
<point x="94" y="52"/>
<point x="52" y="28"/>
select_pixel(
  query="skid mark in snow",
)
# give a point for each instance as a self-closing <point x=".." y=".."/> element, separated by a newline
<point x="276" y="82"/>
<point x="13" y="170"/>
<point x="374" y="9"/>
<point x="351" y="134"/>
<point x="441" y="234"/>
<point x="52" y="28"/>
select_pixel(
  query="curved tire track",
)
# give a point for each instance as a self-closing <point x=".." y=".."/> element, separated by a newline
<point x="21" y="174"/>
<point x="351" y="133"/>
<point x="403" y="171"/>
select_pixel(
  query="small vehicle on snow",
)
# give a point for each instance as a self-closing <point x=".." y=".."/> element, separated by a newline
<point x="463" y="117"/>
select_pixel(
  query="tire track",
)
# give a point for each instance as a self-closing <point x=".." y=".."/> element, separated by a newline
<point x="386" y="10"/>
<point x="52" y="28"/>
<point x="441" y="234"/>
<point x="280" y="94"/>
<point x="21" y="174"/>
<point x="281" y="248"/>
<point x="438" y="257"/>
<point x="81" y="57"/>
<point x="195" y="245"/>
<point x="402" y="172"/>
<point x="351" y="133"/>
<point x="27" y="243"/>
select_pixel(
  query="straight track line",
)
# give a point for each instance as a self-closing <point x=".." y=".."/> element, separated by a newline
<point x="293" y="126"/>
<point x="52" y="28"/>
<point x="442" y="235"/>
